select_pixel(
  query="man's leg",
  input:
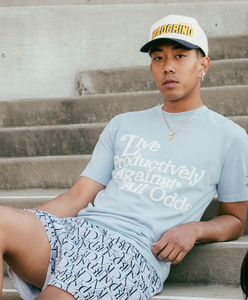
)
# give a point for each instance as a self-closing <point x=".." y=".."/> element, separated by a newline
<point x="54" y="293"/>
<point x="24" y="245"/>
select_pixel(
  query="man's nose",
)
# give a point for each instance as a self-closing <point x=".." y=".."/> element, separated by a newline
<point x="168" y="66"/>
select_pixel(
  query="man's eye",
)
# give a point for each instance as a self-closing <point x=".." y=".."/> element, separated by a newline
<point x="180" y="56"/>
<point x="157" y="57"/>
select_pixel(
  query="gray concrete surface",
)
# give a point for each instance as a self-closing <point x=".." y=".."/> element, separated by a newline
<point x="133" y="79"/>
<point x="228" y="47"/>
<point x="14" y="3"/>
<point x="41" y="172"/>
<point x="78" y="110"/>
<point x="49" y="140"/>
<point x="42" y="58"/>
<point x="200" y="292"/>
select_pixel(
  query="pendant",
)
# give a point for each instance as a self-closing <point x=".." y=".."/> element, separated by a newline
<point x="171" y="134"/>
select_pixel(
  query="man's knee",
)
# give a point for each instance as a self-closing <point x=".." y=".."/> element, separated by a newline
<point x="26" y="245"/>
<point x="16" y="226"/>
<point x="5" y="224"/>
<point x="7" y="214"/>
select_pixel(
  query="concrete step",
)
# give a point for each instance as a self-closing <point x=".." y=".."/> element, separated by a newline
<point x="59" y="140"/>
<point x="133" y="79"/>
<point x="49" y="140"/>
<point x="41" y="172"/>
<point x="228" y="47"/>
<point x="227" y="72"/>
<point x="199" y="292"/>
<point x="170" y="292"/>
<point x="227" y="100"/>
<point x="9" y="292"/>
<point x="28" y="198"/>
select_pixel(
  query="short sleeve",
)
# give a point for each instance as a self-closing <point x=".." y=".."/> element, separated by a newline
<point x="233" y="184"/>
<point x="101" y="164"/>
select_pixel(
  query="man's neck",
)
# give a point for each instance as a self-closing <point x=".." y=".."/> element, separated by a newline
<point x="181" y="106"/>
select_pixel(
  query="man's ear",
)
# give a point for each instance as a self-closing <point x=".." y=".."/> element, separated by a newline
<point x="204" y="65"/>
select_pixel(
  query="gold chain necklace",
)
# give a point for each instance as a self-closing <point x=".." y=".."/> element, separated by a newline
<point x="172" y="132"/>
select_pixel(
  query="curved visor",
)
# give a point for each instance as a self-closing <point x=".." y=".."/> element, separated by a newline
<point x="148" y="45"/>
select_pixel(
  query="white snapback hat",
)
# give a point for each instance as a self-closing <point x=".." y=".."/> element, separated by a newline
<point x="184" y="30"/>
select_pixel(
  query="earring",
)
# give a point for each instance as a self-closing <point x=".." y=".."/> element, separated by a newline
<point x="202" y="78"/>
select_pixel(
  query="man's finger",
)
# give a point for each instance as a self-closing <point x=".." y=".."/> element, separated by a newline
<point x="180" y="256"/>
<point x="167" y="253"/>
<point x="158" y="247"/>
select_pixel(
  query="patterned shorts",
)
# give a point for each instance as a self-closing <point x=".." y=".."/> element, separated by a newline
<point x="90" y="263"/>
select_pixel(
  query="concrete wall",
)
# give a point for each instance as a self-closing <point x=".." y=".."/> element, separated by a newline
<point x="12" y="3"/>
<point x="42" y="49"/>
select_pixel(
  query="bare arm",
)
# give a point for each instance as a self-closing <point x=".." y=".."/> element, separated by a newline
<point x="175" y="243"/>
<point x="77" y="197"/>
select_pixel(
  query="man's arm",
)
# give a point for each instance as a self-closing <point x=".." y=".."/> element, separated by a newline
<point x="175" y="243"/>
<point x="77" y="197"/>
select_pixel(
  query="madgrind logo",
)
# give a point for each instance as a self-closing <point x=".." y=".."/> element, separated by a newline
<point x="173" y="28"/>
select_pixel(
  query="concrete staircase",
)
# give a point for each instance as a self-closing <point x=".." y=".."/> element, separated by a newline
<point x="46" y="143"/>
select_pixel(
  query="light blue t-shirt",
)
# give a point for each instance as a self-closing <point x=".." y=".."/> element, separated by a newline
<point x="153" y="184"/>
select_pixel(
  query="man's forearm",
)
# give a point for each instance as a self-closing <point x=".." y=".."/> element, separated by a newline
<point x="63" y="206"/>
<point x="70" y="203"/>
<point x="220" y="229"/>
<point x="229" y="224"/>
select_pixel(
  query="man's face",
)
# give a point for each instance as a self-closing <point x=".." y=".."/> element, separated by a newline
<point x="176" y="70"/>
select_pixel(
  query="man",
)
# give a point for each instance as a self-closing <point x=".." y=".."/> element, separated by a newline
<point x="140" y="199"/>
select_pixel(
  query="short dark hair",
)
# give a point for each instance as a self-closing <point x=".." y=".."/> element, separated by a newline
<point x="200" y="53"/>
<point x="154" y="49"/>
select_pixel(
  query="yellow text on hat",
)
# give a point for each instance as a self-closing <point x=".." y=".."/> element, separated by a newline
<point x="173" y="28"/>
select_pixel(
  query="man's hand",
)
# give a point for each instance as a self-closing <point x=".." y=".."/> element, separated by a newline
<point x="176" y="242"/>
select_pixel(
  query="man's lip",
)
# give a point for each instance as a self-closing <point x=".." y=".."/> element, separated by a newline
<point x="169" y="83"/>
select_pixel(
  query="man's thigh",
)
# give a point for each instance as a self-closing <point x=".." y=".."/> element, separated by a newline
<point x="25" y="244"/>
